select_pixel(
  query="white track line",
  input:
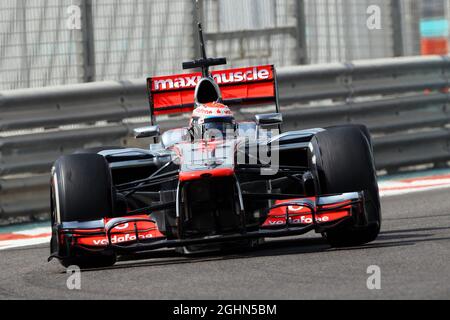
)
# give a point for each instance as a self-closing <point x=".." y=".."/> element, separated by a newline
<point x="10" y="244"/>
<point x="393" y="188"/>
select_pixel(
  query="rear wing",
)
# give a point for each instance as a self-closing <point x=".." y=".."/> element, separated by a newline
<point x="175" y="94"/>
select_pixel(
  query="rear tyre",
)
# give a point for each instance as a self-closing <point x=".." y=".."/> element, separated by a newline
<point x="345" y="164"/>
<point x="81" y="190"/>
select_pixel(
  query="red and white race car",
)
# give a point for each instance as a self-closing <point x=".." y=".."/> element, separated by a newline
<point x="222" y="180"/>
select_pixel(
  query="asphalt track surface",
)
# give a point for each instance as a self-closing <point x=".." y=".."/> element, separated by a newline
<point x="413" y="253"/>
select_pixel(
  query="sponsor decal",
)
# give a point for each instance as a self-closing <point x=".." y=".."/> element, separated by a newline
<point x="220" y="77"/>
<point x="304" y="219"/>
<point x="309" y="219"/>
<point x="123" y="233"/>
<point x="119" y="239"/>
<point x="122" y="226"/>
<point x="211" y="109"/>
<point x="300" y="215"/>
<point x="295" y="208"/>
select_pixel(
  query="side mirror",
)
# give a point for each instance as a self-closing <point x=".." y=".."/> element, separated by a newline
<point x="269" y="119"/>
<point x="147" y="132"/>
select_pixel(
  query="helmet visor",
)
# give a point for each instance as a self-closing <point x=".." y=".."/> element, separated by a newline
<point x="218" y="128"/>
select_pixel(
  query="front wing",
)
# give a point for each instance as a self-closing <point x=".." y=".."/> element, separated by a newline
<point x="285" y="218"/>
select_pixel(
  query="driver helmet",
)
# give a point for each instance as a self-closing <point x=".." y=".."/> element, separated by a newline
<point x="212" y="121"/>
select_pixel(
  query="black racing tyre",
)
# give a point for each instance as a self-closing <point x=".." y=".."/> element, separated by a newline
<point x="84" y="187"/>
<point x="361" y="127"/>
<point x="121" y="202"/>
<point x="81" y="190"/>
<point x="345" y="164"/>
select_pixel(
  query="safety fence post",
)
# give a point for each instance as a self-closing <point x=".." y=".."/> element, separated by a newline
<point x="397" y="28"/>
<point x="302" y="48"/>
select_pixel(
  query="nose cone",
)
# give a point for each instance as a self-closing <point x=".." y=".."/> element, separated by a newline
<point x="200" y="159"/>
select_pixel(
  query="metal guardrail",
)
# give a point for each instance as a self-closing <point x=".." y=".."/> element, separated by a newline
<point x="403" y="101"/>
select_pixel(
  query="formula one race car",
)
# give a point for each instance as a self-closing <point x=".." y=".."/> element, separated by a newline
<point x="218" y="182"/>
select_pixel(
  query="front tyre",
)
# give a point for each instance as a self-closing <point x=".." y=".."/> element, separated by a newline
<point x="345" y="164"/>
<point x="81" y="190"/>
